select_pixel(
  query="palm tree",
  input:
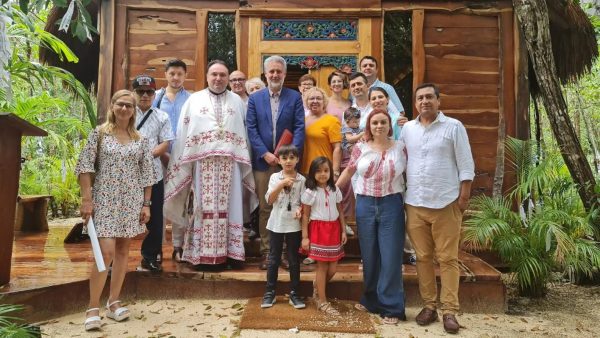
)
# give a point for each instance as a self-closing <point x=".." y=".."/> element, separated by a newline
<point x="534" y="20"/>
<point x="551" y="230"/>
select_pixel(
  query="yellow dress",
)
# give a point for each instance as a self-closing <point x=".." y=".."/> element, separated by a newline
<point x="318" y="140"/>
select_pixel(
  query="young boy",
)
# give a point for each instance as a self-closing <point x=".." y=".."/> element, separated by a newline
<point x="351" y="132"/>
<point x="285" y="189"/>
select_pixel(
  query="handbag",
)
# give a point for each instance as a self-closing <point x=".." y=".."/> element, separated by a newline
<point x="97" y="159"/>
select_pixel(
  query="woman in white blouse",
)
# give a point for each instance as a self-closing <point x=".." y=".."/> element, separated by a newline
<point x="379" y="164"/>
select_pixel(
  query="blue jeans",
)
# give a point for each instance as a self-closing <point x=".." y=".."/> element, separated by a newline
<point x="380" y="223"/>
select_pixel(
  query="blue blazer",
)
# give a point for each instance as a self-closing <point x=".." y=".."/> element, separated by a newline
<point x="259" y="123"/>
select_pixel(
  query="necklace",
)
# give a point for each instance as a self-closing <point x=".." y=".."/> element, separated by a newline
<point x="288" y="192"/>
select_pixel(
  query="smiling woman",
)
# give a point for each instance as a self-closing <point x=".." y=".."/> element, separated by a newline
<point x="323" y="132"/>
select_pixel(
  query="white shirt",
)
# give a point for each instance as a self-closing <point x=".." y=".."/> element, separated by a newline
<point x="282" y="220"/>
<point x="157" y="129"/>
<point x="323" y="204"/>
<point x="439" y="158"/>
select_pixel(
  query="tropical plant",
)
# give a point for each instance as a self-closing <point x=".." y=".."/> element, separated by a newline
<point x="549" y="231"/>
<point x="9" y="325"/>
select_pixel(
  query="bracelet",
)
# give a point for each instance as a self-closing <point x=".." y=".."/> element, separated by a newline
<point x="147" y="203"/>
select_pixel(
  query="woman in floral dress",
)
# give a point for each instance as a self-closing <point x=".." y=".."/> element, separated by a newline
<point x="119" y="199"/>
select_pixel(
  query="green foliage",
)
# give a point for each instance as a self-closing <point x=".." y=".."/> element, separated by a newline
<point x="76" y="19"/>
<point x="221" y="38"/>
<point x="9" y="326"/>
<point x="52" y="99"/>
<point x="550" y="231"/>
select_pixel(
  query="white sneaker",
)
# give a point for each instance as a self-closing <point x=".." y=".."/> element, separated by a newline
<point x="349" y="230"/>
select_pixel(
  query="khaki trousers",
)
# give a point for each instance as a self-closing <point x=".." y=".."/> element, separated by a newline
<point x="436" y="233"/>
<point x="261" y="181"/>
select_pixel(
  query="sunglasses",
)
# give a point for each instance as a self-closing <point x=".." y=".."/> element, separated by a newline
<point x="141" y="92"/>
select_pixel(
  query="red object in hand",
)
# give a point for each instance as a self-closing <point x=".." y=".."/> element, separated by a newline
<point x="286" y="138"/>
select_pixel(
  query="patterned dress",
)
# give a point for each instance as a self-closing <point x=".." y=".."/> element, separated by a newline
<point x="118" y="191"/>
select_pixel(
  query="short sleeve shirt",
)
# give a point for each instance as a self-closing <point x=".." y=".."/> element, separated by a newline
<point x="282" y="220"/>
<point x="323" y="203"/>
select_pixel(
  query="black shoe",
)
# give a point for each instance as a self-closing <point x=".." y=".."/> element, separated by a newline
<point x="268" y="299"/>
<point x="295" y="301"/>
<point x="151" y="265"/>
<point x="177" y="254"/>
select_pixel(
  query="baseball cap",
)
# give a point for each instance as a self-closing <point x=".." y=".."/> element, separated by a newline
<point x="144" y="81"/>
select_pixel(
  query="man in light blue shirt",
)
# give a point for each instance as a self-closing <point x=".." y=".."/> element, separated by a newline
<point x="368" y="66"/>
<point x="171" y="100"/>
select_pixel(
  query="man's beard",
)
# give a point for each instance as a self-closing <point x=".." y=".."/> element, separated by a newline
<point x="275" y="85"/>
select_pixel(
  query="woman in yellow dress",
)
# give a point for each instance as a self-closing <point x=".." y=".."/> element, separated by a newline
<point x="323" y="132"/>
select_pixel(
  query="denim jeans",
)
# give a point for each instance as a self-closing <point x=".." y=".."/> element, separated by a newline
<point x="380" y="223"/>
<point x="292" y="240"/>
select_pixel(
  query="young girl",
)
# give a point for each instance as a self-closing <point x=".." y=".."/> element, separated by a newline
<point x="323" y="236"/>
<point x="283" y="193"/>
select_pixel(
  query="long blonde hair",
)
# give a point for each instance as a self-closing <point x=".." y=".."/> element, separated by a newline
<point x="109" y="126"/>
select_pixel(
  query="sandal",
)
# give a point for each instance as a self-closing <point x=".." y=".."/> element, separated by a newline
<point x="93" y="322"/>
<point x="328" y="309"/>
<point x="360" y="307"/>
<point x="390" y="320"/>
<point x="120" y="314"/>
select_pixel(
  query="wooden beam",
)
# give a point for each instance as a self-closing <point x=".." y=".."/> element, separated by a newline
<point x="327" y="13"/>
<point x="365" y="36"/>
<point x="105" y="64"/>
<point x="201" y="48"/>
<point x="418" y="49"/>
<point x="179" y="5"/>
<point x="377" y="44"/>
<point x="254" y="54"/>
<point x="121" y="49"/>
<point x="466" y="7"/>
<point x="290" y="4"/>
<point x="320" y="47"/>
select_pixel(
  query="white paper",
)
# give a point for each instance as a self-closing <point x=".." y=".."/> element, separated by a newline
<point x="95" y="245"/>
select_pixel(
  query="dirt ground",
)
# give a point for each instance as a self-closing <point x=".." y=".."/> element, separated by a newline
<point x="567" y="311"/>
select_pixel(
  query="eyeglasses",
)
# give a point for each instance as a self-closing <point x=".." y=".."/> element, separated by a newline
<point x="124" y="105"/>
<point x="238" y="80"/>
<point x="141" y="92"/>
<point x="306" y="84"/>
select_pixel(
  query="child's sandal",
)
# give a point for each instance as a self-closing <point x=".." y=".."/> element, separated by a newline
<point x="93" y="322"/>
<point x="328" y="309"/>
<point x="120" y="314"/>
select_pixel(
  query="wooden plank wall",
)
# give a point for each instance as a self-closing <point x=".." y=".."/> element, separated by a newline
<point x="461" y="55"/>
<point x="154" y="37"/>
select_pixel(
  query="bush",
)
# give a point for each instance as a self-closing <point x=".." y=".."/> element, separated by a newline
<point x="550" y="231"/>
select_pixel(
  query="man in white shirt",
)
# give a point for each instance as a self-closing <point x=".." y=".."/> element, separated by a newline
<point x="440" y="170"/>
<point x="359" y="90"/>
<point x="154" y="125"/>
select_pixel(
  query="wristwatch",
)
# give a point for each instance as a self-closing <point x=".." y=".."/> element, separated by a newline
<point x="147" y="203"/>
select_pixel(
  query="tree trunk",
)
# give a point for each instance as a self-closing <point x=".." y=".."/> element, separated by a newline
<point x="534" y="21"/>
<point x="5" y="55"/>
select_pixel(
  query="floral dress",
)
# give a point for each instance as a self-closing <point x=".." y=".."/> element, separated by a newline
<point x="118" y="191"/>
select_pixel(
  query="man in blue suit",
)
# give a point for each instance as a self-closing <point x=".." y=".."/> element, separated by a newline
<point x="271" y="111"/>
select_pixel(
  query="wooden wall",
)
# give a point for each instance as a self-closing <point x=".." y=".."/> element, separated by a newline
<point x="471" y="49"/>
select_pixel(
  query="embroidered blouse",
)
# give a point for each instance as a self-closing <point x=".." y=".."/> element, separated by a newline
<point x="378" y="173"/>
<point x="323" y="203"/>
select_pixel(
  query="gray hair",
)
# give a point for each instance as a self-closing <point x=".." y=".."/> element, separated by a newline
<point x="275" y="58"/>
<point x="253" y="82"/>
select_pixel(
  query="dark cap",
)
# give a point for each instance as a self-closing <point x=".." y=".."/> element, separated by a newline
<point x="144" y="81"/>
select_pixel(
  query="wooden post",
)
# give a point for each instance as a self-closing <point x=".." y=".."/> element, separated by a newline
<point x="12" y="128"/>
